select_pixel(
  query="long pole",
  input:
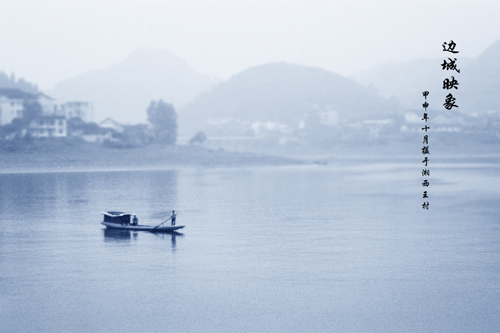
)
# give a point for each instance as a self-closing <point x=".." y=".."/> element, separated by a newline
<point x="160" y="224"/>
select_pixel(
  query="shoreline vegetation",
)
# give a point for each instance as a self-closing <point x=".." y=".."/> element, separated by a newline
<point x="66" y="155"/>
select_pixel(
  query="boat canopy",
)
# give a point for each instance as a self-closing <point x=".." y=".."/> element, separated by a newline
<point x="110" y="213"/>
<point x="117" y="217"/>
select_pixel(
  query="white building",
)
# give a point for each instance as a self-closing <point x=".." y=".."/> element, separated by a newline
<point x="77" y="109"/>
<point x="48" y="127"/>
<point x="111" y="124"/>
<point x="97" y="138"/>
<point x="48" y="104"/>
<point x="12" y="104"/>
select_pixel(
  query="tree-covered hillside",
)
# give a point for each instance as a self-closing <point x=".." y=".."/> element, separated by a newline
<point x="7" y="81"/>
<point x="283" y="94"/>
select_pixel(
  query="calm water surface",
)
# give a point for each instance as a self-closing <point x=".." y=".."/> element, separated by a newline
<point x="288" y="249"/>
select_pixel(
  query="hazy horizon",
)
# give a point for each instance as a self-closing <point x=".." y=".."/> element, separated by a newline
<point x="55" y="40"/>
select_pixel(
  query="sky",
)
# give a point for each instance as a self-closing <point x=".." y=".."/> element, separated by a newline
<point x="48" y="41"/>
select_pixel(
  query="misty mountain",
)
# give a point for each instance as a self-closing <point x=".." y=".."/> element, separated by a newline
<point x="280" y="94"/>
<point x="480" y="82"/>
<point x="478" y="89"/>
<point x="124" y="91"/>
<point x="404" y="82"/>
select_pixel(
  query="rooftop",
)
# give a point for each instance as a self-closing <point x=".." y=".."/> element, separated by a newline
<point x="16" y="93"/>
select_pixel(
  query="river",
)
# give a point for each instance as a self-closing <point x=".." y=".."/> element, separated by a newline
<point x="323" y="248"/>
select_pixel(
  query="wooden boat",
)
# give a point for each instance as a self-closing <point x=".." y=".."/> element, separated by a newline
<point x="128" y="221"/>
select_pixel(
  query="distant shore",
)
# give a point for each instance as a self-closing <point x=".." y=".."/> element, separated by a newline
<point x="67" y="156"/>
<point x="71" y="155"/>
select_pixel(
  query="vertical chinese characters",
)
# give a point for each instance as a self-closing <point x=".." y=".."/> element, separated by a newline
<point x="450" y="83"/>
<point x="425" y="150"/>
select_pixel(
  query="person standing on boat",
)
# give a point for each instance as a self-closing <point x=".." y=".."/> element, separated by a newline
<point x="135" y="220"/>
<point x="172" y="217"/>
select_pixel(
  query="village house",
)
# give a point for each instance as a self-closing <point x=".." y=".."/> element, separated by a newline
<point x="98" y="137"/>
<point x="77" y="109"/>
<point x="48" y="126"/>
<point x="111" y="124"/>
<point x="48" y="104"/>
<point x="52" y="122"/>
<point x="11" y="104"/>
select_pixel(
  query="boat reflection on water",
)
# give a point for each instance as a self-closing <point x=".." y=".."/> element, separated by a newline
<point x="118" y="235"/>
<point x="173" y="235"/>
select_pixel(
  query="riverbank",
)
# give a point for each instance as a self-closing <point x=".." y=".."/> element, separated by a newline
<point x="52" y="156"/>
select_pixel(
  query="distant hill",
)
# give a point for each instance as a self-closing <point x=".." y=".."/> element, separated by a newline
<point x="404" y="82"/>
<point x="480" y="89"/>
<point x="280" y="93"/>
<point x="124" y="91"/>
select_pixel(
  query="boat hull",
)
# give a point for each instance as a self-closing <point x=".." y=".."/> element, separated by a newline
<point x="140" y="227"/>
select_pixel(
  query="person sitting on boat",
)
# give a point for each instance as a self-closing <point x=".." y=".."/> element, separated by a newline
<point x="135" y="220"/>
<point x="172" y="217"/>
